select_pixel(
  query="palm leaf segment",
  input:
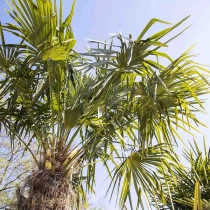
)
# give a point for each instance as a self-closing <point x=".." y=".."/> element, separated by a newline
<point x="157" y="99"/>
<point x="24" y="66"/>
<point x="192" y="189"/>
<point x="40" y="24"/>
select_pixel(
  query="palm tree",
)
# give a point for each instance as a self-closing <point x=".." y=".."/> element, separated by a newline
<point x="116" y="104"/>
<point x="192" y="189"/>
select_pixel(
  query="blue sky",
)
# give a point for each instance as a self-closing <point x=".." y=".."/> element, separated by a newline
<point x="95" y="19"/>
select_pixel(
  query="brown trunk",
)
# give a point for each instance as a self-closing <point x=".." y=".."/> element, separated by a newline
<point x="47" y="191"/>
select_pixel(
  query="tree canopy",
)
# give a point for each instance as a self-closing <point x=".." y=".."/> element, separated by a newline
<point x="116" y="104"/>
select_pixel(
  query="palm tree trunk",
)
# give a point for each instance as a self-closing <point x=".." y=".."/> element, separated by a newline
<point x="47" y="191"/>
